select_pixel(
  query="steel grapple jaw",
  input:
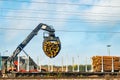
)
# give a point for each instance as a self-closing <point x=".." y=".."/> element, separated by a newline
<point x="51" y="45"/>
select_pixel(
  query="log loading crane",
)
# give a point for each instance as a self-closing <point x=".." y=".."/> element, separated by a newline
<point x="51" y="46"/>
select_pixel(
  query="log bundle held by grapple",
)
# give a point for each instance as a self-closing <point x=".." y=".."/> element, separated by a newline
<point x="106" y="63"/>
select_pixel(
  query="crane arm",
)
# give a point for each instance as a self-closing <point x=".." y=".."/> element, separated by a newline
<point x="51" y="45"/>
<point x="29" y="37"/>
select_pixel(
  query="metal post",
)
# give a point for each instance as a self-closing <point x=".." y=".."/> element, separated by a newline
<point x="48" y="66"/>
<point x="108" y="47"/>
<point x="112" y="65"/>
<point x="40" y="65"/>
<point x="102" y="65"/>
<point x="66" y="66"/>
<point x="62" y="63"/>
<point x="91" y="65"/>
<point x="78" y="64"/>
<point x="0" y="61"/>
<point x="86" y="65"/>
<point x="37" y="63"/>
<point x="52" y="68"/>
<point x="18" y="63"/>
<point x="27" y="63"/>
<point x="73" y="64"/>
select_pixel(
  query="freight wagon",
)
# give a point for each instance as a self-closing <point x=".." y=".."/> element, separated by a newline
<point x="106" y="63"/>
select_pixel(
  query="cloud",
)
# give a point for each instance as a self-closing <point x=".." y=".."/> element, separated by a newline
<point x="104" y="12"/>
<point x="0" y="3"/>
<point x="23" y="24"/>
<point x="61" y="17"/>
<point x="58" y="20"/>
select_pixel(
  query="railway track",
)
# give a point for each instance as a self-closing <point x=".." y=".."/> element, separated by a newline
<point x="64" y="78"/>
<point x="64" y="75"/>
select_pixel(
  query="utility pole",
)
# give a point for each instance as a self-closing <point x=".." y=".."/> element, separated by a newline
<point x="86" y="65"/>
<point x="78" y="64"/>
<point x="0" y="61"/>
<point x="66" y="66"/>
<point x="73" y="63"/>
<point x="62" y="63"/>
<point x="18" y="63"/>
<point x="108" y="48"/>
<point x="40" y="65"/>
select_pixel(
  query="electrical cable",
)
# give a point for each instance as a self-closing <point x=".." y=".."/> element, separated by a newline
<point x="65" y="13"/>
<point x="78" y="4"/>
<point x="36" y="10"/>
<point x="65" y="30"/>
<point x="59" y="19"/>
<point x="86" y="19"/>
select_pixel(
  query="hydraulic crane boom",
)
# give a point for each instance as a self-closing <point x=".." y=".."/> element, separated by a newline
<point x="29" y="37"/>
<point x="54" y="43"/>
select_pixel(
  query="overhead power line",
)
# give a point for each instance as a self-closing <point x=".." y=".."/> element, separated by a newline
<point x="59" y="21"/>
<point x="52" y="19"/>
<point x="13" y="29"/>
<point x="78" y="4"/>
<point x="64" y="30"/>
<point x="53" y="11"/>
<point x="87" y="31"/>
<point x="33" y="17"/>
<point x="56" y="21"/>
<point x="19" y="12"/>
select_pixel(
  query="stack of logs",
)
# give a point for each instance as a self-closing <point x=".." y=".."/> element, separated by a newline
<point x="106" y="63"/>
